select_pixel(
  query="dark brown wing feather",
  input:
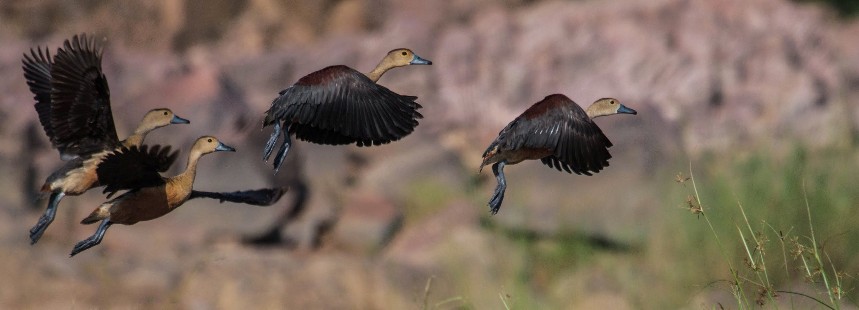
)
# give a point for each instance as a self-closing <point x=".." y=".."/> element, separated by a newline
<point x="338" y="105"/>
<point x="310" y="133"/>
<point x="260" y="197"/>
<point x="134" y="167"/>
<point x="559" y="124"/>
<point x="81" y="118"/>
<point x="37" y="72"/>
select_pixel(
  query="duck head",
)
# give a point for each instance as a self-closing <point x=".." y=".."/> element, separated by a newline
<point x="608" y="106"/>
<point x="157" y="118"/>
<point x="210" y="144"/>
<point x="403" y="57"/>
<point x="396" y="58"/>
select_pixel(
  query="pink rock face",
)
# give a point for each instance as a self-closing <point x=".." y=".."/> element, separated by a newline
<point x="724" y="73"/>
<point x="422" y="245"/>
<point x="731" y="72"/>
<point x="366" y="222"/>
<point x="703" y="74"/>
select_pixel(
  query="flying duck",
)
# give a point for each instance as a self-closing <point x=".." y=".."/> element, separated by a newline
<point x="73" y="104"/>
<point x="339" y="105"/>
<point x="149" y="195"/>
<point x="559" y="133"/>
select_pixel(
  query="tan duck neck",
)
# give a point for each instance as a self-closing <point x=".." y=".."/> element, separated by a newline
<point x="185" y="180"/>
<point x="136" y="139"/>
<point x="380" y="69"/>
<point x="594" y="111"/>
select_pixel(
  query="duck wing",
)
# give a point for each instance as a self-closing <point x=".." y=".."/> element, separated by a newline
<point x="259" y="197"/>
<point x="81" y="119"/>
<point x="338" y="105"/>
<point x="558" y="124"/>
<point x="37" y="72"/>
<point x="134" y="167"/>
<point x="582" y="146"/>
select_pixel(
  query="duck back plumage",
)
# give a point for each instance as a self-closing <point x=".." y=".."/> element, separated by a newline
<point x="130" y="168"/>
<point x="560" y="126"/>
<point x="339" y="105"/>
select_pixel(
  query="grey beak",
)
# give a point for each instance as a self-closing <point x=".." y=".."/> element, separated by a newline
<point x="178" y="120"/>
<point x="624" y="109"/>
<point x="224" y="148"/>
<point x="417" y="60"/>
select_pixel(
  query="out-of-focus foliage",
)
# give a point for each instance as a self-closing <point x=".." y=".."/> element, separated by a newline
<point x="845" y="8"/>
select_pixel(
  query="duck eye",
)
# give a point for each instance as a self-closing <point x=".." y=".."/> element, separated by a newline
<point x="611" y="102"/>
<point x="165" y="112"/>
<point x="210" y="140"/>
<point x="405" y="53"/>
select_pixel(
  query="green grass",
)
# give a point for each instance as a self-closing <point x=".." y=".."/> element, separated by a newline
<point x="771" y="230"/>
<point x="763" y="223"/>
<point x="774" y="230"/>
<point x="427" y="197"/>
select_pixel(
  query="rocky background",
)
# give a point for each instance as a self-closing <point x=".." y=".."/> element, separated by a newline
<point x="707" y="77"/>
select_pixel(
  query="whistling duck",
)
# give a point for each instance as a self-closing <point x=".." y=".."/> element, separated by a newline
<point x="339" y="105"/>
<point x="559" y="133"/>
<point x="150" y="195"/>
<point x="73" y="104"/>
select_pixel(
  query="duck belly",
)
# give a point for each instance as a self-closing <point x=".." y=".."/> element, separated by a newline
<point x="143" y="205"/>
<point x="75" y="177"/>
<point x="518" y="155"/>
<point x="74" y="182"/>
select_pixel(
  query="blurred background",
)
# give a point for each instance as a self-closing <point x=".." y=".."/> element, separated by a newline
<point x="757" y="99"/>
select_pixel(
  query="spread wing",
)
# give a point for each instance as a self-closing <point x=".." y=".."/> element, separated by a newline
<point x="260" y="197"/>
<point x="582" y="149"/>
<point x="562" y="126"/>
<point x="134" y="167"/>
<point x="81" y="118"/>
<point x="37" y="72"/>
<point x="338" y="105"/>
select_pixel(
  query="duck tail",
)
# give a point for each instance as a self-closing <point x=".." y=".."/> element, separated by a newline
<point x="100" y="213"/>
<point x="487" y="155"/>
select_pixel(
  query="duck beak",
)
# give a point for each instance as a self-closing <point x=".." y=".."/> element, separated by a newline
<point x="624" y="109"/>
<point x="224" y="148"/>
<point x="417" y="60"/>
<point x="179" y="120"/>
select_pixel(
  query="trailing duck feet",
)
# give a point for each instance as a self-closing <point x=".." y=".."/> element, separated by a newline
<point x="40" y="227"/>
<point x="46" y="219"/>
<point x="498" y="196"/>
<point x="93" y="240"/>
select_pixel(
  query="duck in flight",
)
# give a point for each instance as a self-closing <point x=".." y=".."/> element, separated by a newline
<point x="339" y="105"/>
<point x="559" y="133"/>
<point x="73" y="104"/>
<point x="149" y="195"/>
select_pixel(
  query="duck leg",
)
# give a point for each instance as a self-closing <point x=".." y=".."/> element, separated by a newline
<point x="269" y="146"/>
<point x="495" y="202"/>
<point x="46" y="219"/>
<point x="93" y="240"/>
<point x="284" y="148"/>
